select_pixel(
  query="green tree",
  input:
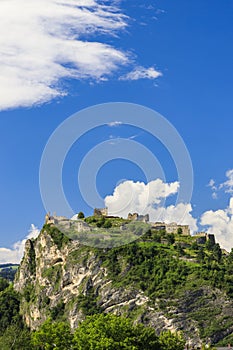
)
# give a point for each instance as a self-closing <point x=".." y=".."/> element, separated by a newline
<point x="9" y="309"/>
<point x="16" y="338"/>
<point x="107" y="224"/>
<point x="209" y="245"/>
<point x="110" y="332"/>
<point x="179" y="231"/>
<point x="201" y="255"/>
<point x="101" y="222"/>
<point x="58" y="310"/>
<point x="230" y="257"/>
<point x="52" y="335"/>
<point x="3" y="284"/>
<point x="217" y="252"/>
<point x="148" y="234"/>
<point x="180" y="250"/>
<point x="81" y="215"/>
<point x="88" y="303"/>
<point x="170" y="238"/>
<point x="170" y="341"/>
<point x="194" y="246"/>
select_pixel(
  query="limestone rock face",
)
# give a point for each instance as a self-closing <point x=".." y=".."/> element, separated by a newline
<point x="54" y="274"/>
<point x="49" y="276"/>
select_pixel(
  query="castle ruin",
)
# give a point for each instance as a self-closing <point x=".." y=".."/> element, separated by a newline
<point x="203" y="237"/>
<point x="137" y="217"/>
<point x="172" y="228"/>
<point x="65" y="223"/>
<point x="101" y="212"/>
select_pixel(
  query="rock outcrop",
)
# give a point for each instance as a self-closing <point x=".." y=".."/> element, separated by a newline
<point x="56" y="274"/>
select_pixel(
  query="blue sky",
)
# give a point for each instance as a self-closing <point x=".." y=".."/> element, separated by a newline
<point x="174" y="57"/>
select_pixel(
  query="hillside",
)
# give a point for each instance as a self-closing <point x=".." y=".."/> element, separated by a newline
<point x="167" y="281"/>
<point x="8" y="271"/>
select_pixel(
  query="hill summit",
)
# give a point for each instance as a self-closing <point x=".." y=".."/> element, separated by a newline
<point x="167" y="280"/>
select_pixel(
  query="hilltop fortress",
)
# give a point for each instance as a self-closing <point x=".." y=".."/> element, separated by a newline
<point x="202" y="237"/>
<point x="81" y="225"/>
<point x="169" y="228"/>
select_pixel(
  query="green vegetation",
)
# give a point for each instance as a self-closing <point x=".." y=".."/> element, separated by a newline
<point x="150" y="267"/>
<point x="53" y="274"/>
<point x="52" y="335"/>
<point x="173" y="270"/>
<point x="161" y="264"/>
<point x="169" y="342"/>
<point x="99" y="221"/>
<point x="29" y="292"/>
<point x="16" y="338"/>
<point x="103" y="332"/>
<point x="3" y="284"/>
<point x="8" y="271"/>
<point x="114" y="333"/>
<point x="106" y="232"/>
<point x="81" y="215"/>
<point x="32" y="257"/>
<point x="9" y="309"/>
<point x="58" y="237"/>
<point x="227" y="340"/>
<point x="88" y="303"/>
<point x="58" y="311"/>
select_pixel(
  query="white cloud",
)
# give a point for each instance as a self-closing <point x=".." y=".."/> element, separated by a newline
<point x="220" y="223"/>
<point x="180" y="213"/>
<point x="44" y="41"/>
<point x="142" y="73"/>
<point x="211" y="184"/>
<point x="214" y="188"/>
<point x="214" y="195"/>
<point x="15" y="254"/>
<point x="228" y="184"/>
<point x="115" y="123"/>
<point x="149" y="198"/>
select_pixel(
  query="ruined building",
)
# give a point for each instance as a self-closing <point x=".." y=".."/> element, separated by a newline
<point x="137" y="217"/>
<point x="172" y="228"/>
<point x="101" y="212"/>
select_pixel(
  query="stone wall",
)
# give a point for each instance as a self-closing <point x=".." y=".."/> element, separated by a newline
<point x="101" y="212"/>
<point x="171" y="228"/>
<point x="137" y="217"/>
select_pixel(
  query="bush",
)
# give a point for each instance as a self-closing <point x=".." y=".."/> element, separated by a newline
<point x="53" y="335"/>
<point x="3" y="284"/>
<point x="88" y="303"/>
<point x="81" y="215"/>
<point x="58" y="237"/>
<point x="170" y="341"/>
<point x="110" y="332"/>
<point x="16" y="338"/>
<point x="9" y="309"/>
<point x="107" y="224"/>
<point x="58" y="310"/>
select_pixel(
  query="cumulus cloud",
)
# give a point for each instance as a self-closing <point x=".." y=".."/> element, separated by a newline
<point x="220" y="223"/>
<point x="180" y="213"/>
<point x="130" y="197"/>
<point x="45" y="41"/>
<point x="142" y="73"/>
<point x="15" y="254"/>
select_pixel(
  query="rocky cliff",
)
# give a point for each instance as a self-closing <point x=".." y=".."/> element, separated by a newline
<point x="63" y="279"/>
